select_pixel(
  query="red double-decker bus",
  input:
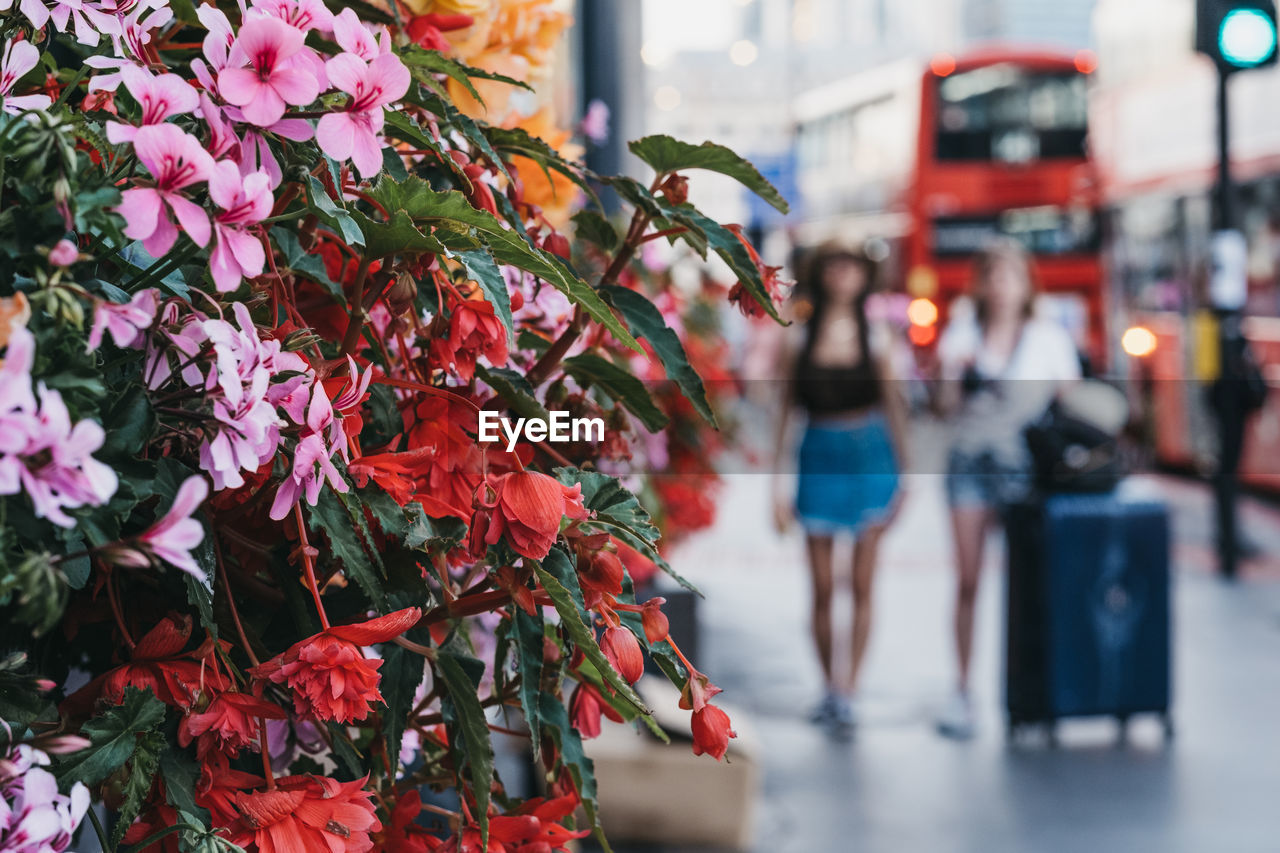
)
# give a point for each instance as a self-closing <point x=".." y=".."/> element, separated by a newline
<point x="1002" y="150"/>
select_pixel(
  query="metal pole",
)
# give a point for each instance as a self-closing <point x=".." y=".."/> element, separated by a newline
<point x="1228" y="291"/>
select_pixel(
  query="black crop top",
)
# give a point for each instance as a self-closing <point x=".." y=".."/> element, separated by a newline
<point x="823" y="390"/>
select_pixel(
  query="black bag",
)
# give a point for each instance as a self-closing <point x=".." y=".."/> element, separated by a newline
<point x="1074" y="446"/>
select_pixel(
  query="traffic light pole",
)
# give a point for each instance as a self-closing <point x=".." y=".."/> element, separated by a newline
<point x="1227" y="289"/>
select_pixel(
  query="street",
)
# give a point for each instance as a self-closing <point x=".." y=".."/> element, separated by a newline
<point x="899" y="787"/>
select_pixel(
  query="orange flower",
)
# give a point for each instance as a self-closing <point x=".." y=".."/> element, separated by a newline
<point x="527" y="508"/>
<point x="330" y="677"/>
<point x="306" y="813"/>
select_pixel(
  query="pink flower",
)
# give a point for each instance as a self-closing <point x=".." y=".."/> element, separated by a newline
<point x="273" y="79"/>
<point x="176" y="160"/>
<point x="595" y="124"/>
<point x="312" y="461"/>
<point x="305" y="15"/>
<point x="354" y="36"/>
<point x="174" y="536"/>
<point x="124" y="322"/>
<point x="64" y="253"/>
<point x="354" y="133"/>
<point x="17" y="58"/>
<point x="34" y="816"/>
<point x="129" y="46"/>
<point x="244" y="201"/>
<point x="160" y="97"/>
<point x="256" y="154"/>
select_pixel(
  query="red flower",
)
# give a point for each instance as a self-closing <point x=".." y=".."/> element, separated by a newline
<point x="157" y="664"/>
<point x="428" y="30"/>
<point x="330" y="677"/>
<point x="306" y="813"/>
<point x="527" y="508"/>
<point x="585" y="709"/>
<point x="158" y="817"/>
<point x="711" y="731"/>
<point x="230" y="723"/>
<point x="404" y="835"/>
<point x="656" y="624"/>
<point x="602" y="573"/>
<point x="622" y="649"/>
<point x="773" y="286"/>
<point x="474" y="330"/>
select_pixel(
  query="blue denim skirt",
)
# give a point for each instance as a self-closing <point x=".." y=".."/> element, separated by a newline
<point x="848" y="475"/>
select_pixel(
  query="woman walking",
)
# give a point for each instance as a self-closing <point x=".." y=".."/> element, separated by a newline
<point x="1000" y="371"/>
<point x="849" y="458"/>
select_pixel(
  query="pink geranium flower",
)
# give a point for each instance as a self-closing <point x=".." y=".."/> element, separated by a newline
<point x="160" y="97"/>
<point x="273" y="78"/>
<point x="355" y="132"/>
<point x="129" y="46"/>
<point x="124" y="322"/>
<point x="244" y="201"/>
<point x="64" y="253"/>
<point x="176" y="160"/>
<point x="173" y="537"/>
<point x="305" y="15"/>
<point x="312" y="460"/>
<point x="355" y="36"/>
<point x="17" y="58"/>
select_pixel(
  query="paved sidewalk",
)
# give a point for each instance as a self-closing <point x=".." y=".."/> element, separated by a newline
<point x="899" y="788"/>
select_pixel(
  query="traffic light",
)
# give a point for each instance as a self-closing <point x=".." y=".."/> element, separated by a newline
<point x="1237" y="34"/>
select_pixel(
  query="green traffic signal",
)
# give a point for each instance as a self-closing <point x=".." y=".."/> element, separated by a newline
<point x="1247" y="38"/>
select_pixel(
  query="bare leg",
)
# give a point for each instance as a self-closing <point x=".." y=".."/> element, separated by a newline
<point x="969" y="526"/>
<point x="820" y="551"/>
<point x="865" y="552"/>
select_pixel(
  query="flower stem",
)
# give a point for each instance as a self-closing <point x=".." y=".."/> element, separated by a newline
<point x="231" y="601"/>
<point x="305" y="547"/>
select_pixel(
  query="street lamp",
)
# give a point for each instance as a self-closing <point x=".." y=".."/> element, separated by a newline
<point x="1238" y="35"/>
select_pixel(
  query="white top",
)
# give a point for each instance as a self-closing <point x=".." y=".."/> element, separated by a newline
<point x="1010" y="395"/>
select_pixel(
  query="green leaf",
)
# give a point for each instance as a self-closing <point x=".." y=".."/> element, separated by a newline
<point x="461" y="706"/>
<point x="181" y="774"/>
<point x="518" y="141"/>
<point x="128" y="422"/>
<point x="114" y="735"/>
<point x="666" y="154"/>
<point x="556" y="721"/>
<point x="434" y="535"/>
<point x="513" y="388"/>
<point x="596" y="229"/>
<point x="200" y="592"/>
<point x="482" y="270"/>
<point x="618" y="511"/>
<point x="333" y="517"/>
<point x="333" y="214"/>
<point x="559" y="578"/>
<point x="303" y="263"/>
<point x="434" y="62"/>
<point x="591" y="369"/>
<point x="529" y="659"/>
<point x="646" y="322"/>
<point x="345" y="751"/>
<point x="730" y="249"/>
<point x="401" y="674"/>
<point x="396" y="235"/>
<point x="451" y="211"/>
<point x="142" y="775"/>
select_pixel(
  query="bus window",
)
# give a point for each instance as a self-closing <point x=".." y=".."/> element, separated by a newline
<point x="1010" y="114"/>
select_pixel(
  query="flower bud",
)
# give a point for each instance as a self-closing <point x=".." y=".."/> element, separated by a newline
<point x="676" y="189"/>
<point x="603" y="572"/>
<point x="622" y="649"/>
<point x="711" y="732"/>
<point x="656" y="626"/>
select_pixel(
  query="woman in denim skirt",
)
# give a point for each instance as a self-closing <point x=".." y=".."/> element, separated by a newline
<point x="851" y="454"/>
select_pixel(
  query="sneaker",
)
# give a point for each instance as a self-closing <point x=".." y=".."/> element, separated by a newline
<point x="956" y="719"/>
<point x="844" y="721"/>
<point x="825" y="711"/>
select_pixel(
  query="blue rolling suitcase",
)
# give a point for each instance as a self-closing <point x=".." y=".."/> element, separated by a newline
<point x="1088" y="629"/>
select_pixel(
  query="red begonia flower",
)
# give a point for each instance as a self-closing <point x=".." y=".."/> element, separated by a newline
<point x="403" y="835"/>
<point x="330" y="677"/>
<point x="229" y="723"/>
<point x="586" y="706"/>
<point x="474" y="330"/>
<point x="527" y="508"/>
<point x="711" y="732"/>
<point x="303" y="814"/>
